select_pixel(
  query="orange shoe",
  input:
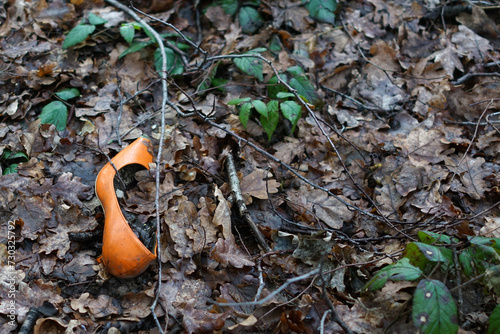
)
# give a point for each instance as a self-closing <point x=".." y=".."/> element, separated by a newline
<point x="123" y="254"/>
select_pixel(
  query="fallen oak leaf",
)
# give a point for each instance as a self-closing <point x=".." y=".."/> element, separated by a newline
<point x="226" y="252"/>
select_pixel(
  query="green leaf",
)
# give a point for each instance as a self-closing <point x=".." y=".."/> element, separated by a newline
<point x="494" y="321"/>
<point x="67" y="93"/>
<point x="273" y="89"/>
<point x="491" y="242"/>
<point x="275" y="44"/>
<point x="10" y="156"/>
<point x="127" y="31"/>
<point x="260" y="107"/>
<point x="434" y="310"/>
<point x="483" y="256"/>
<point x="251" y="66"/>
<point x="219" y="83"/>
<point x="174" y="62"/>
<point x="270" y="123"/>
<point x="322" y="10"/>
<point x="292" y="112"/>
<point x="55" y="113"/>
<point x="305" y="89"/>
<point x="238" y="101"/>
<point x="399" y="271"/>
<point x="250" y="20"/>
<point x="465" y="260"/>
<point x="295" y="71"/>
<point x="136" y="46"/>
<point x="421" y="254"/>
<point x="432" y="238"/>
<point x="492" y="278"/>
<point x="11" y="169"/>
<point x="229" y="6"/>
<point x="96" y="20"/>
<point x="284" y="95"/>
<point x="272" y="106"/>
<point x="78" y="34"/>
<point x="245" y="112"/>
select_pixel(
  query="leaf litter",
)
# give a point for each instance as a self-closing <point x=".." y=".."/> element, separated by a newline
<point x="410" y="105"/>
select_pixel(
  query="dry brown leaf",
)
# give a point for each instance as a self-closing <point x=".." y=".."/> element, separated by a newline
<point x="226" y="252"/>
<point x="472" y="172"/>
<point x="256" y="185"/>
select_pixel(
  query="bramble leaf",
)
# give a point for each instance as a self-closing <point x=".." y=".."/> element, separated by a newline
<point x="250" y="20"/>
<point x="229" y="6"/>
<point x="55" y="113"/>
<point x="322" y="10"/>
<point x="434" y="310"/>
<point x="251" y="66"/>
<point x="421" y="254"/>
<point x="78" y="34"/>
<point x="399" y="271"/>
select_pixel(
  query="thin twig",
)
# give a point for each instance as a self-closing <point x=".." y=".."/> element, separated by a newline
<point x="335" y="315"/>
<point x="468" y="76"/>
<point x="275" y="292"/>
<point x="120" y="109"/>
<point x="234" y="182"/>
<point x="163" y="75"/>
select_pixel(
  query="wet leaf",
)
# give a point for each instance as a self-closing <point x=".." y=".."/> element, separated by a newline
<point x="434" y="310"/>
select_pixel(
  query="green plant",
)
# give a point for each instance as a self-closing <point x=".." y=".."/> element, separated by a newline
<point x="322" y="10"/>
<point x="9" y="161"/>
<point x="249" y="17"/>
<point x="269" y="115"/>
<point x="56" y="112"/>
<point x="280" y="98"/>
<point x="80" y="33"/>
<point x="434" y="309"/>
<point x="174" y="61"/>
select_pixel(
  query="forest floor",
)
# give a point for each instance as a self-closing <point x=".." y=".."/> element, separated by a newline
<point x="377" y="147"/>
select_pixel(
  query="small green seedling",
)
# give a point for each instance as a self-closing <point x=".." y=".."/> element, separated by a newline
<point x="269" y="113"/>
<point x="248" y="15"/>
<point x="9" y="161"/>
<point x="434" y="309"/>
<point x="56" y="112"/>
<point x="80" y="33"/>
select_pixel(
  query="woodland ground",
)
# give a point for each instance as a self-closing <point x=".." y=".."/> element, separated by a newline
<point x="400" y="135"/>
